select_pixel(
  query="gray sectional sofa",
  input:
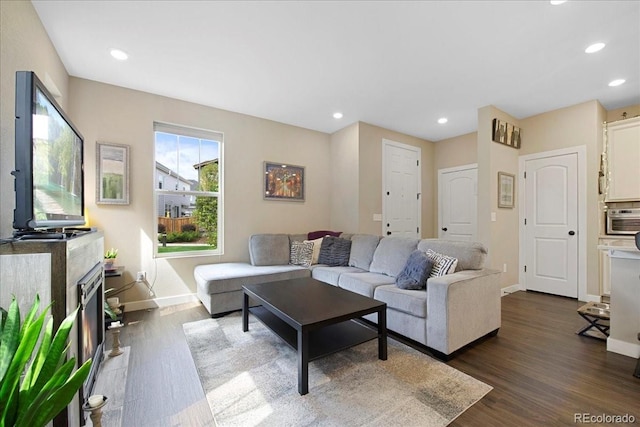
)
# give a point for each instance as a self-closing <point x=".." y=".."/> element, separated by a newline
<point x="453" y="311"/>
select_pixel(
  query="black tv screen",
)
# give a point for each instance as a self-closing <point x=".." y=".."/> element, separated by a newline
<point x="49" y="169"/>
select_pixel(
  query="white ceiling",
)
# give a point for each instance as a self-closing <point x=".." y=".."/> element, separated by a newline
<point x="398" y="65"/>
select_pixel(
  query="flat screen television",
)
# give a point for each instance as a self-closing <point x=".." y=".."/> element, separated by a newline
<point x="49" y="163"/>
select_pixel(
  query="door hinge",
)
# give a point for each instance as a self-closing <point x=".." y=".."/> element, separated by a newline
<point x="417" y="196"/>
<point x="525" y="174"/>
<point x="525" y="268"/>
<point x="418" y="230"/>
<point x="525" y="221"/>
<point x="417" y="162"/>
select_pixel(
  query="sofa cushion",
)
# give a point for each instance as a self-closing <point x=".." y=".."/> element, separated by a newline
<point x="364" y="283"/>
<point x="413" y="302"/>
<point x="230" y="276"/>
<point x="301" y="253"/>
<point x="330" y="275"/>
<point x="269" y="249"/>
<point x="416" y="271"/>
<point x="391" y="255"/>
<point x="442" y="264"/>
<point x="470" y="255"/>
<point x="334" y="251"/>
<point x="313" y="235"/>
<point x="363" y="247"/>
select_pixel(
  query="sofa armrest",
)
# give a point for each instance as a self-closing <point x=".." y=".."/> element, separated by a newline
<point x="462" y="307"/>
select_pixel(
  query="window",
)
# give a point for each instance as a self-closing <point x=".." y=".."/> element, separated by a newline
<point x="188" y="190"/>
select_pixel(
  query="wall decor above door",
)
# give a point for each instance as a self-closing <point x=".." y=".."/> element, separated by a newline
<point x="506" y="133"/>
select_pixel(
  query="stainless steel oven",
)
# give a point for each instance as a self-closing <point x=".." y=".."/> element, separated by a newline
<point x="623" y="221"/>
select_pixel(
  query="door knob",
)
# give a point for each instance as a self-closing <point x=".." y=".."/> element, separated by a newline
<point x="571" y="232"/>
<point x="444" y="228"/>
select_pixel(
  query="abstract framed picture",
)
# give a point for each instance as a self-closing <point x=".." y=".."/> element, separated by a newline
<point x="283" y="182"/>
<point x="506" y="190"/>
<point x="112" y="174"/>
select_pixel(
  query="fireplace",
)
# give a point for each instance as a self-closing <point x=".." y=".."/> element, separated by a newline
<point x="90" y="326"/>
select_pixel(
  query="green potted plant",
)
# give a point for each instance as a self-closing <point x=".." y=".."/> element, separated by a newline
<point x="110" y="258"/>
<point x="36" y="382"/>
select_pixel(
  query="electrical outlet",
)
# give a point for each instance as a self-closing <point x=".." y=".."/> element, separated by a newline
<point x="141" y="276"/>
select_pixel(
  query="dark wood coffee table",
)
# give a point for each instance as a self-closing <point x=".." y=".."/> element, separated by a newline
<point x="316" y="319"/>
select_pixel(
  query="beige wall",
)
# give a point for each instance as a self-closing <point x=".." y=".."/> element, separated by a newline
<point x="345" y="183"/>
<point x="118" y="115"/>
<point x="615" y="115"/>
<point x="457" y="151"/>
<point x="370" y="140"/>
<point x="501" y="235"/>
<point x="24" y="46"/>
<point x="578" y="125"/>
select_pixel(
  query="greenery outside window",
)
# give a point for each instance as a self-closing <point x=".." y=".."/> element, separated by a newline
<point x="188" y="191"/>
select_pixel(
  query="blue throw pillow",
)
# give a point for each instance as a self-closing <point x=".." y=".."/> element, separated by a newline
<point x="415" y="272"/>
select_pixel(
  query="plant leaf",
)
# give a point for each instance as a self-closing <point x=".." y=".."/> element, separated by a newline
<point x="22" y="355"/>
<point x="56" y="353"/>
<point x="10" y="338"/>
<point x="58" y="398"/>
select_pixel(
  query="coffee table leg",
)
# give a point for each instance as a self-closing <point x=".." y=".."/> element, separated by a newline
<point x="303" y="362"/>
<point x="382" y="334"/>
<point x="245" y="312"/>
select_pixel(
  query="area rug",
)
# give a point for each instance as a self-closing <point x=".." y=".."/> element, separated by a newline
<point x="251" y="379"/>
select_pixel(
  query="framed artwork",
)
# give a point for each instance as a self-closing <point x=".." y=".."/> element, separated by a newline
<point x="506" y="133"/>
<point x="506" y="190"/>
<point x="283" y="182"/>
<point x="499" y="131"/>
<point x="112" y="174"/>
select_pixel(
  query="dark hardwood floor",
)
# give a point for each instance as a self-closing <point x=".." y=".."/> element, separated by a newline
<point x="541" y="371"/>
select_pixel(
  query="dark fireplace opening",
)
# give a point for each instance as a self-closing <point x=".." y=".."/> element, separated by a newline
<point x="90" y="327"/>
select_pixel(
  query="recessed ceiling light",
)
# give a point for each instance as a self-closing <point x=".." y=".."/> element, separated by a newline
<point x="443" y="120"/>
<point x="337" y="115"/>
<point x="557" y="2"/>
<point x="616" y="82"/>
<point x="594" y="48"/>
<point x="118" y="54"/>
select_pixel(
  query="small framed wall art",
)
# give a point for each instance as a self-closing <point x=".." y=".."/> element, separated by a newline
<point x="283" y="182"/>
<point x="112" y="174"/>
<point x="506" y="190"/>
<point x="506" y="133"/>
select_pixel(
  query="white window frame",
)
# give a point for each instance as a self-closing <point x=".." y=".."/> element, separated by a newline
<point x="201" y="134"/>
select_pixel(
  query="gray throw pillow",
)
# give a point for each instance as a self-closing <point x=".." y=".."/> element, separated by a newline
<point x="334" y="251"/>
<point x="416" y="271"/>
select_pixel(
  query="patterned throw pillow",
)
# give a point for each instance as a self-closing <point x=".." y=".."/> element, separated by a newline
<point x="442" y="264"/>
<point x="316" y="249"/>
<point x="301" y="253"/>
<point x="416" y="271"/>
<point x="334" y="251"/>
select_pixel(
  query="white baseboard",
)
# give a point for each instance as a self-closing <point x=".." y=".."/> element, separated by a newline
<point x="511" y="289"/>
<point x="623" y="347"/>
<point x="160" y="302"/>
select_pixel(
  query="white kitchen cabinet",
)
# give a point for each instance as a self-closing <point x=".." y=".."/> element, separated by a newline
<point x="623" y="154"/>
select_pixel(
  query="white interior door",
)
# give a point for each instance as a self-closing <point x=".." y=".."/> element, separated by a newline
<point x="401" y="189"/>
<point x="551" y="230"/>
<point x="458" y="203"/>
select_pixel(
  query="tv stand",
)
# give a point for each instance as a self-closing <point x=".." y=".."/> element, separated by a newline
<point x="39" y="235"/>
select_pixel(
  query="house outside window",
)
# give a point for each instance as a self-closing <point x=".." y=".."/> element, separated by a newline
<point x="188" y="191"/>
